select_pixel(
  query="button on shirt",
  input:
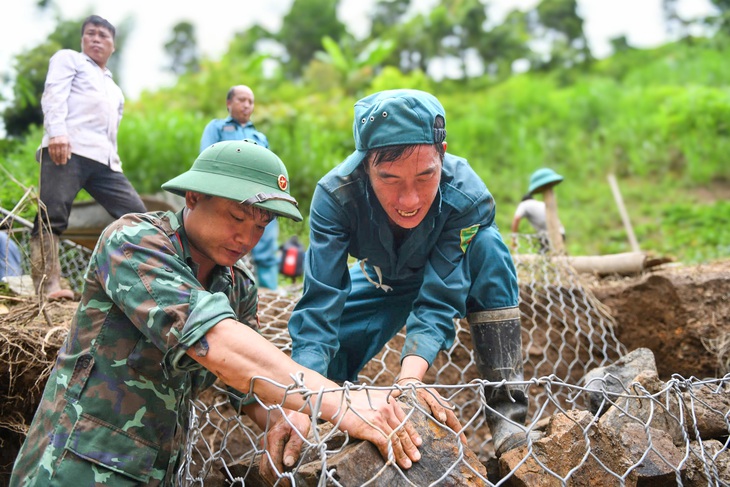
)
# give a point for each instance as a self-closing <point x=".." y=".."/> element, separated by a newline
<point x="221" y="129"/>
<point x="347" y="219"/>
<point x="119" y="393"/>
<point x="82" y="101"/>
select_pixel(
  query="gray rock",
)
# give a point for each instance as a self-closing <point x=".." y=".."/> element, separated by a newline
<point x="658" y="460"/>
<point x="613" y="380"/>
<point x="445" y="461"/>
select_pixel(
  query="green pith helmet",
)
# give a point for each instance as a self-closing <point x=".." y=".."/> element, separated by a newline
<point x="240" y="170"/>
<point x="543" y="179"/>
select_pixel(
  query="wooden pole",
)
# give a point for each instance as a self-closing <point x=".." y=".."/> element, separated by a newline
<point x="624" y="215"/>
<point x="553" y="222"/>
<point x="625" y="264"/>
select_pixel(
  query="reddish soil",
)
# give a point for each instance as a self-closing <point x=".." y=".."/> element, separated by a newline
<point x="680" y="313"/>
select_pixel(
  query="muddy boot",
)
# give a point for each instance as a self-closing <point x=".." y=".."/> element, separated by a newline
<point x="497" y="340"/>
<point x="45" y="268"/>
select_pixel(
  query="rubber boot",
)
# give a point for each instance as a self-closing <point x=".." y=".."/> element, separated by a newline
<point x="45" y="268"/>
<point x="497" y="340"/>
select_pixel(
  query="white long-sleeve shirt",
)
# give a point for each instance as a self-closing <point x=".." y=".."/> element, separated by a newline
<point x="82" y="101"/>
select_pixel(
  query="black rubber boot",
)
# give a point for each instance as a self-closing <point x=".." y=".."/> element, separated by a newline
<point x="497" y="340"/>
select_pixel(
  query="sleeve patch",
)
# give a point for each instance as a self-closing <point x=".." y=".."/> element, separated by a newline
<point x="466" y="235"/>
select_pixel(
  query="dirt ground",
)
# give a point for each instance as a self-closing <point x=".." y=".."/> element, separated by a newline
<point x="681" y="313"/>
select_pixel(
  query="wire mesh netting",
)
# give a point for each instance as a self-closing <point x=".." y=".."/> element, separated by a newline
<point x="589" y="422"/>
<point x="605" y="430"/>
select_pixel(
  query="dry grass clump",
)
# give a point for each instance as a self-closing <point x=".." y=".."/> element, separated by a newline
<point x="30" y="335"/>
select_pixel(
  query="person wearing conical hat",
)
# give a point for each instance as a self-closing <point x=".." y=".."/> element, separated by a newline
<point x="533" y="210"/>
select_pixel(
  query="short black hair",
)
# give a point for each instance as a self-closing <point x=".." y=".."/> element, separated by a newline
<point x="99" y="22"/>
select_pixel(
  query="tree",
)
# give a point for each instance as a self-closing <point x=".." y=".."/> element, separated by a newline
<point x="559" y="23"/>
<point x="504" y="44"/>
<point x="386" y="15"/>
<point x="302" y="31"/>
<point x="722" y="19"/>
<point x="414" y="43"/>
<point x="620" y="44"/>
<point x="182" y="49"/>
<point x="247" y="42"/>
<point x="354" y="65"/>
<point x="31" y="67"/>
<point x="460" y="25"/>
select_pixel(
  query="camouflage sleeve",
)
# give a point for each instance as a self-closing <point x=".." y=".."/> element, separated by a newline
<point x="142" y="272"/>
<point x="245" y="297"/>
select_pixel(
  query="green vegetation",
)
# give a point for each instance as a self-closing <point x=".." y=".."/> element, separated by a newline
<point x="657" y="119"/>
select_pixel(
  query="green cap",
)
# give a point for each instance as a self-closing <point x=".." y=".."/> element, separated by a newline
<point x="543" y="179"/>
<point x="393" y="117"/>
<point x="240" y="170"/>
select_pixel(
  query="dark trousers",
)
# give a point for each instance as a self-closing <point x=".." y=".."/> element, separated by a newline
<point x="60" y="185"/>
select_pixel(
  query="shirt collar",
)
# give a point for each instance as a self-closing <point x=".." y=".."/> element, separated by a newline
<point x="107" y="72"/>
<point x="230" y="119"/>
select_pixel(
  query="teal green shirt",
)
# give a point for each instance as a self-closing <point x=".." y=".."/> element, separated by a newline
<point x="346" y="219"/>
<point x="228" y="128"/>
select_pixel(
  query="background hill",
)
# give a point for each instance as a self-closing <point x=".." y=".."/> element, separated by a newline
<point x="657" y="119"/>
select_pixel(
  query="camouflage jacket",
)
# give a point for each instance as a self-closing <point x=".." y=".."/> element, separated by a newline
<point x="116" y="406"/>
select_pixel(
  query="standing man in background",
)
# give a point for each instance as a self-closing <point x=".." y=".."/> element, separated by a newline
<point x="82" y="110"/>
<point x="238" y="126"/>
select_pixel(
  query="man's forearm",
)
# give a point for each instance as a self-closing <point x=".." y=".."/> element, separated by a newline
<point x="237" y="354"/>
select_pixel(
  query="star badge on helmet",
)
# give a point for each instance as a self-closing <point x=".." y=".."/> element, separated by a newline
<point x="283" y="182"/>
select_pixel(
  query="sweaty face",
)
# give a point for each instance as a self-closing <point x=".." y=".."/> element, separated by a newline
<point x="407" y="186"/>
<point x="97" y="43"/>
<point x="240" y="107"/>
<point x="221" y="231"/>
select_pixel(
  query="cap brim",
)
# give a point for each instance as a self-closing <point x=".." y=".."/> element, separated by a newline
<point x="350" y="164"/>
<point x="231" y="188"/>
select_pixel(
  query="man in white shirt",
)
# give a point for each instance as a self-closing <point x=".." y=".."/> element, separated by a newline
<point x="534" y="212"/>
<point x="82" y="110"/>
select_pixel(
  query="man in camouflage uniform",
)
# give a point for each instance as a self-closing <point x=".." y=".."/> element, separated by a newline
<point x="167" y="307"/>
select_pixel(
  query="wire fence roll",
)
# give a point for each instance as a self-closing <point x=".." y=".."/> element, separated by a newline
<point x="599" y="415"/>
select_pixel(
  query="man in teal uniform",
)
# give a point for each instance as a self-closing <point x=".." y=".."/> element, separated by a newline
<point x="166" y="307"/>
<point x="420" y="222"/>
